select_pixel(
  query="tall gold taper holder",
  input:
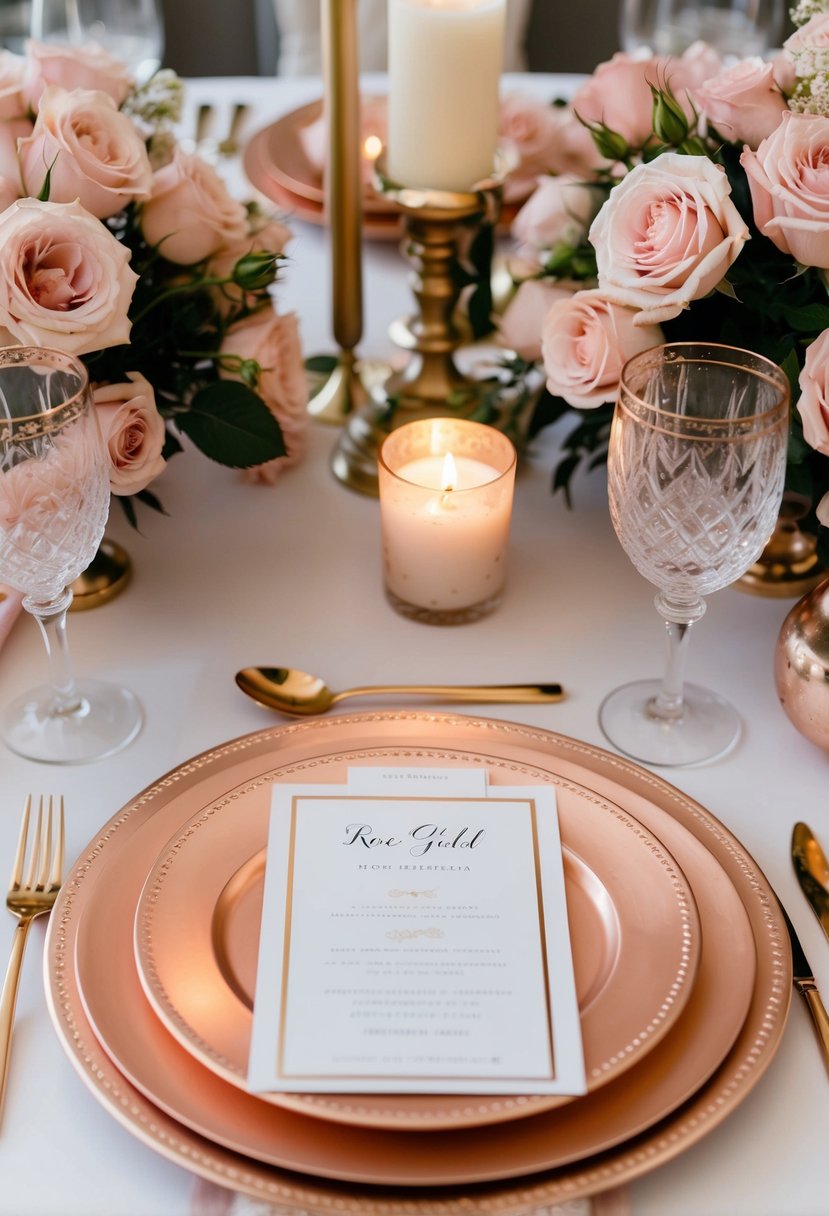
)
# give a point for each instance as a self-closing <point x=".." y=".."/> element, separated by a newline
<point x="342" y="392"/>
<point x="431" y="385"/>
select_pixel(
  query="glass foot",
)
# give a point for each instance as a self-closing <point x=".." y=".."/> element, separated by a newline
<point x="709" y="725"/>
<point x="106" y="719"/>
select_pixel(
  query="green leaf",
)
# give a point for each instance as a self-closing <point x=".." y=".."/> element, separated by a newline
<point x="45" y="189"/>
<point x="791" y="369"/>
<point x="172" y="446"/>
<point x="823" y="546"/>
<point x="811" y="318"/>
<point x="128" y="507"/>
<point x="232" y="425"/>
<point x="561" y="478"/>
<point x="150" y="500"/>
<point x="322" y="365"/>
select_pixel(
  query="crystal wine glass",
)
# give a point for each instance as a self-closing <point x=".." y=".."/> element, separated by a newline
<point x="695" y="478"/>
<point x="54" y="502"/>
<point x="735" y="28"/>
<point x="131" y="30"/>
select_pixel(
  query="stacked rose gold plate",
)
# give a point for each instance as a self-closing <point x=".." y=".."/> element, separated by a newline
<point x="681" y="958"/>
<point x="277" y="163"/>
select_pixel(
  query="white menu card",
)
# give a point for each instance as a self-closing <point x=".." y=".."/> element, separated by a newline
<point x="414" y="940"/>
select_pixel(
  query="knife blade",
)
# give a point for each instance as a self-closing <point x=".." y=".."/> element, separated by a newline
<point x="810" y="867"/>
<point x="804" y="981"/>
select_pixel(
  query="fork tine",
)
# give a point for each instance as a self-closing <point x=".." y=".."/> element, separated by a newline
<point x="56" y="874"/>
<point x="17" y="868"/>
<point x="33" y="861"/>
<point x="46" y="848"/>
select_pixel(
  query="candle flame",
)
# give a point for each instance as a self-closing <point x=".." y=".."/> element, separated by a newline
<point x="449" y="475"/>
<point x="372" y="147"/>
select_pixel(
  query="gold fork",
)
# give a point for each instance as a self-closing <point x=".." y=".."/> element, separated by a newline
<point x="27" y="898"/>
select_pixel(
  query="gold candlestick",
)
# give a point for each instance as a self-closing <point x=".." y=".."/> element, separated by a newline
<point x="342" y="392"/>
<point x="431" y="385"/>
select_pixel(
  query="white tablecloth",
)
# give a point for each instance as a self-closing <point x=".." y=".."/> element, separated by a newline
<point x="244" y="574"/>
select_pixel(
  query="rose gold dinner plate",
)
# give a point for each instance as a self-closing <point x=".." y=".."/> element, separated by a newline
<point x="633" y="925"/>
<point x="730" y="892"/>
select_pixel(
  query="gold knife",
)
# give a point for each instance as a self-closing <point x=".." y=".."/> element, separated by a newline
<point x="804" y="981"/>
<point x="812" y="871"/>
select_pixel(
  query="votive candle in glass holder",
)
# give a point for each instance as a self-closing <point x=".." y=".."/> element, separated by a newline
<point x="446" y="488"/>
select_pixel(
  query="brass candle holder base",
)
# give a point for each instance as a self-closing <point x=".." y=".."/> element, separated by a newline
<point x="105" y="577"/>
<point x="431" y="385"/>
<point x="789" y="566"/>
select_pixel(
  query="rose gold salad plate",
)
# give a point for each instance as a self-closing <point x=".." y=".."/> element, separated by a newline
<point x="731" y="893"/>
<point x="633" y="925"/>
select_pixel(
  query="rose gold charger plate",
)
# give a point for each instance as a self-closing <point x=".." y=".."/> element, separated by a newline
<point x="277" y="164"/>
<point x="633" y="923"/>
<point x="668" y="1098"/>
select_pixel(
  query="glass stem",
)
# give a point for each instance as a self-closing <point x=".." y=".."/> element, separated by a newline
<point x="51" y="617"/>
<point x="667" y="705"/>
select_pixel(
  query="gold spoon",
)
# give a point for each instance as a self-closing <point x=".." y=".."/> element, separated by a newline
<point x="297" y="693"/>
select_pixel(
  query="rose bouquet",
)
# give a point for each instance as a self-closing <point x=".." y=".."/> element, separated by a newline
<point x="682" y="200"/>
<point x="119" y="246"/>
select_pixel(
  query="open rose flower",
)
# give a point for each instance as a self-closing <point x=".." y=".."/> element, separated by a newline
<point x="801" y="46"/>
<point x="73" y="67"/>
<point x="744" y="103"/>
<point x="789" y="180"/>
<point x="272" y="340"/>
<point x="586" y="340"/>
<point x="12" y="103"/>
<point x="190" y="213"/>
<point x="530" y="127"/>
<point x="618" y="94"/>
<point x="64" y="278"/>
<point x="813" y="403"/>
<point x="666" y="236"/>
<point x="521" y="324"/>
<point x="91" y="151"/>
<point x="558" y="211"/>
<point x="11" y="131"/>
<point x="133" y="432"/>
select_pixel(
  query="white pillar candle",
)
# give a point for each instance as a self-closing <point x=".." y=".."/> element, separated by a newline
<point x="445" y="521"/>
<point x="445" y="62"/>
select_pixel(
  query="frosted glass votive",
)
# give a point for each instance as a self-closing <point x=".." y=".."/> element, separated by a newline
<point x="446" y="488"/>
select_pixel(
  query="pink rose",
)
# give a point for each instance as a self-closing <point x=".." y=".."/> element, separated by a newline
<point x="273" y="341"/>
<point x="73" y="67"/>
<point x="813" y="403"/>
<point x="743" y="103"/>
<point x="521" y="324"/>
<point x="811" y="37"/>
<point x="529" y="126"/>
<point x="822" y="511"/>
<point x="574" y="150"/>
<point x="133" y="432"/>
<point x="789" y="180"/>
<point x="558" y="212"/>
<point x="190" y="214"/>
<point x="9" y="193"/>
<point x="618" y="93"/>
<point x="586" y="340"/>
<point x="12" y="130"/>
<point x="666" y="236"/>
<point x="64" y="278"/>
<point x="12" y="104"/>
<point x="95" y="152"/>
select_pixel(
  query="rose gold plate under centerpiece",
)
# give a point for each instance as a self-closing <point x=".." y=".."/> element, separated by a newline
<point x="633" y="926"/>
<point x="730" y="891"/>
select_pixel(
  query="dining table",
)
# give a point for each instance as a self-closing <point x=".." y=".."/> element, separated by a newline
<point x="235" y="574"/>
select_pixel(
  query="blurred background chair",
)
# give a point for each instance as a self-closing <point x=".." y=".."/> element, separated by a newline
<point x="242" y="37"/>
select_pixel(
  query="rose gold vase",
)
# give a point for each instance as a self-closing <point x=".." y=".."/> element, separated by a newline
<point x="801" y="665"/>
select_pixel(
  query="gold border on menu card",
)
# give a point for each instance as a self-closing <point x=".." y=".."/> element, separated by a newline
<point x="286" y="948"/>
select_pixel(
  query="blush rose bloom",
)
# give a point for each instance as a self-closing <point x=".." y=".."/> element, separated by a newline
<point x="190" y="213"/>
<point x="273" y="341"/>
<point x="814" y="394"/>
<point x="586" y="340"/>
<point x="744" y="103"/>
<point x="12" y="104"/>
<point x="666" y="235"/>
<point x="12" y="130"/>
<point x="789" y="180"/>
<point x="64" y="278"/>
<point x="95" y="152"/>
<point x="133" y="432"/>
<point x="520" y="326"/>
<point x="559" y="211"/>
<point x="529" y="127"/>
<point x="618" y="93"/>
<point x="73" y="67"/>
